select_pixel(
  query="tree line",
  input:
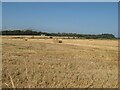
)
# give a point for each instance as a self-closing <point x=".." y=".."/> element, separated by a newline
<point x="31" y="32"/>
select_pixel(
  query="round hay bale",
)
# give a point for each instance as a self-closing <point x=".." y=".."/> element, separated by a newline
<point x="59" y="40"/>
<point x="26" y="39"/>
<point x="50" y="37"/>
<point x="56" y="40"/>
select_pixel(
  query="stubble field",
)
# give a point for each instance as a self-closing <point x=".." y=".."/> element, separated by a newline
<point x="75" y="63"/>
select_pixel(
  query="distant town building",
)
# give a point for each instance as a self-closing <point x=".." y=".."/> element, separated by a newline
<point x="42" y="34"/>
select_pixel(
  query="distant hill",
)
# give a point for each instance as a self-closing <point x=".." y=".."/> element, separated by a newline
<point x="31" y="32"/>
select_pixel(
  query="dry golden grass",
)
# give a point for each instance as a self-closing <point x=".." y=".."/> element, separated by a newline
<point x="74" y="63"/>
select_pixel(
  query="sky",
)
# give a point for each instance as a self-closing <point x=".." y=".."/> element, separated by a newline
<point x="76" y="17"/>
<point x="60" y="0"/>
<point x="0" y="16"/>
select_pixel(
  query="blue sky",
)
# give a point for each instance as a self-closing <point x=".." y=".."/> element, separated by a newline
<point x="60" y="0"/>
<point x="0" y="16"/>
<point x="82" y="17"/>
